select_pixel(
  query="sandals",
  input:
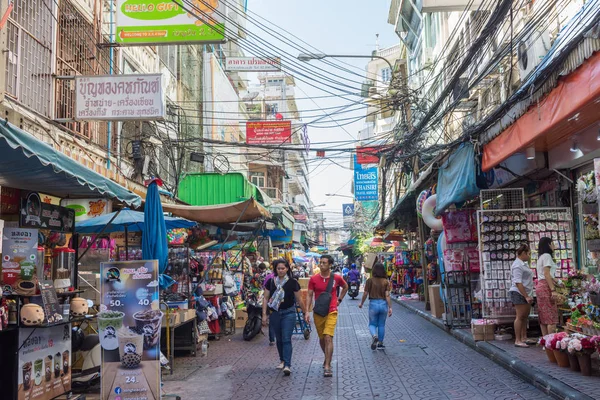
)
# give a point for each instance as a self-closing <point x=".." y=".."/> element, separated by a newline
<point x="327" y="373"/>
<point x="531" y="341"/>
<point x="523" y="345"/>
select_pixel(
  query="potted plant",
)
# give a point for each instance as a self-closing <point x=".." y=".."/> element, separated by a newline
<point x="571" y="352"/>
<point x="562" y="359"/>
<point x="583" y="348"/>
<point x="546" y="343"/>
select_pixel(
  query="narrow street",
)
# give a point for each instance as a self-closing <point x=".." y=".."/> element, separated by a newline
<point x="420" y="362"/>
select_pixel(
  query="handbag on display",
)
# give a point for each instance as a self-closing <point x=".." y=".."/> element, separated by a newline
<point x="324" y="300"/>
<point x="203" y="328"/>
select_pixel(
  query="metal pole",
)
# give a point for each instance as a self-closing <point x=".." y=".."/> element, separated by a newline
<point x="126" y="245"/>
<point x="360" y="56"/>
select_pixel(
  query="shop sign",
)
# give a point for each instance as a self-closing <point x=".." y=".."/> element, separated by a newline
<point x="87" y="208"/>
<point x="129" y="327"/>
<point x="268" y="132"/>
<point x="19" y="258"/>
<point x="253" y="64"/>
<point x="348" y="214"/>
<point x="366" y="182"/>
<point x="44" y="362"/>
<point x="9" y="200"/>
<point x="119" y="97"/>
<point x="39" y="215"/>
<point x="159" y="22"/>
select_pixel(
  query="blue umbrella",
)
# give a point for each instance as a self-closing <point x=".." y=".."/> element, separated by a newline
<point x="299" y="259"/>
<point x="312" y="254"/>
<point x="126" y="220"/>
<point x="154" y="236"/>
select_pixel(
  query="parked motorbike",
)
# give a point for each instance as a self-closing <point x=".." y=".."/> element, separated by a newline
<point x="353" y="289"/>
<point x="254" y="322"/>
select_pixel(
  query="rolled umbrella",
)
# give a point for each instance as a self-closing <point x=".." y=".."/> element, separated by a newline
<point x="154" y="235"/>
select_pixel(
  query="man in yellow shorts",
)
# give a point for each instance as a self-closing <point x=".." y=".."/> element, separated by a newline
<point x="326" y="325"/>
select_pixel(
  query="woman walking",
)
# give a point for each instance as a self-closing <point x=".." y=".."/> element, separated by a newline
<point x="380" y="304"/>
<point x="545" y="287"/>
<point x="281" y="296"/>
<point x="521" y="293"/>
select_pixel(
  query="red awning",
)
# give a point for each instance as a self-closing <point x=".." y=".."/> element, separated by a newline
<point x="569" y="108"/>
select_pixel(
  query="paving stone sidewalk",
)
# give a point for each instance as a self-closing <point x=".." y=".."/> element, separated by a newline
<point x="421" y="362"/>
<point x="533" y="360"/>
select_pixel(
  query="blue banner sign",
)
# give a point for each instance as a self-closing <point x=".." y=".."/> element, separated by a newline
<point x="366" y="183"/>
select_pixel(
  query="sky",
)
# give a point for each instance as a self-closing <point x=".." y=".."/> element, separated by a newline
<point x="332" y="27"/>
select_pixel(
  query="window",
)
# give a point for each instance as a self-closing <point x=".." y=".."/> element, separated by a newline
<point x="386" y="75"/>
<point x="257" y="178"/>
<point x="168" y="56"/>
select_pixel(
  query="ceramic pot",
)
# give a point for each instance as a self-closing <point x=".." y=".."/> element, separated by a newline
<point x="574" y="362"/>
<point x="550" y="355"/>
<point x="585" y="363"/>
<point x="32" y="315"/>
<point x="79" y="307"/>
<point x="562" y="359"/>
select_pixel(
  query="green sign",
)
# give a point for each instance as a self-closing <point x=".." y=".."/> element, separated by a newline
<point x="147" y="22"/>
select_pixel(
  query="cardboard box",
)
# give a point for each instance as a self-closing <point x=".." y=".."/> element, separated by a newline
<point x="483" y="332"/>
<point x="303" y="283"/>
<point x="241" y="316"/>
<point x="304" y="295"/>
<point x="173" y="318"/>
<point x="435" y="301"/>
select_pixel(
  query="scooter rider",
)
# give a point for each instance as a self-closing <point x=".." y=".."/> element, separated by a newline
<point x="354" y="274"/>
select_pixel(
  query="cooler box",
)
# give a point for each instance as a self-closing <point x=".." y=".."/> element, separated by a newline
<point x="241" y="317"/>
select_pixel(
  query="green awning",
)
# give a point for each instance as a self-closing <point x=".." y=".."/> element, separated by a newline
<point x="285" y="218"/>
<point x="30" y="164"/>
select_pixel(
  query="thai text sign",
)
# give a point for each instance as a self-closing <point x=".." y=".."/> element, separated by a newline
<point x="268" y="132"/>
<point x="252" y="64"/>
<point x="366" y="184"/>
<point x="39" y="215"/>
<point x="158" y="21"/>
<point x="119" y="97"/>
<point x="367" y="155"/>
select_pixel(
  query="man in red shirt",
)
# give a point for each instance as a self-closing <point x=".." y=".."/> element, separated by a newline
<point x="326" y="325"/>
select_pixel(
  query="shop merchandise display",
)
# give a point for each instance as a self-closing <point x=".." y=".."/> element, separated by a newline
<point x="501" y="232"/>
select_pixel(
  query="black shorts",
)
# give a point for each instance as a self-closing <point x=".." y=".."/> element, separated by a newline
<point x="517" y="298"/>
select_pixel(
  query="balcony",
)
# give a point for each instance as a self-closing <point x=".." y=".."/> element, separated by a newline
<point x="274" y="193"/>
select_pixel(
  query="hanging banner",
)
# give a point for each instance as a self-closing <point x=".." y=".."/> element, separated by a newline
<point x="44" y="362"/>
<point x="366" y="182"/>
<point x="160" y="22"/>
<point x="129" y="325"/>
<point x="252" y="64"/>
<point x="268" y="132"/>
<point x="39" y="215"/>
<point x="19" y="259"/>
<point x="119" y="97"/>
<point x="87" y="208"/>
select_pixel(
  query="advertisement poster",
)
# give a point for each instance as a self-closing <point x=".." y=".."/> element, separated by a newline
<point x="87" y="208"/>
<point x="39" y="215"/>
<point x="368" y="155"/>
<point x="129" y="328"/>
<point x="161" y="22"/>
<point x="44" y="362"/>
<point x="19" y="259"/>
<point x="268" y="132"/>
<point x="366" y="183"/>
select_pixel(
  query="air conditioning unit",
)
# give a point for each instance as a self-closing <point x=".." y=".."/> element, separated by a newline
<point x="427" y="56"/>
<point x="531" y="51"/>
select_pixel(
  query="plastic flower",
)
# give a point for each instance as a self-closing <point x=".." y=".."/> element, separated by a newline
<point x="574" y="345"/>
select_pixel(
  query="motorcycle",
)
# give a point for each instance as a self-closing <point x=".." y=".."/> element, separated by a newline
<point x="353" y="289"/>
<point x="254" y="322"/>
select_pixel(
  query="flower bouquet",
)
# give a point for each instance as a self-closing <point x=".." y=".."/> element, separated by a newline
<point x="546" y="343"/>
<point x="583" y="348"/>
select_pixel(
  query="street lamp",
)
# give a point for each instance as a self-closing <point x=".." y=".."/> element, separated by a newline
<point x="338" y="195"/>
<point x="319" y="56"/>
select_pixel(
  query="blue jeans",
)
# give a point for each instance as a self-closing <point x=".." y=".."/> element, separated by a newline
<point x="378" y="311"/>
<point x="283" y="322"/>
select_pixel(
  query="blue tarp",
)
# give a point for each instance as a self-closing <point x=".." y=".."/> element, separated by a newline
<point x="223" y="246"/>
<point x="30" y="164"/>
<point x="132" y="220"/>
<point x="456" y="178"/>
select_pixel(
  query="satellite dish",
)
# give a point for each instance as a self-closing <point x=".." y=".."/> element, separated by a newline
<point x="250" y="96"/>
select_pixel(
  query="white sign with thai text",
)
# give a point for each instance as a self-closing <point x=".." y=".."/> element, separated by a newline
<point x="252" y="64"/>
<point x="119" y="97"/>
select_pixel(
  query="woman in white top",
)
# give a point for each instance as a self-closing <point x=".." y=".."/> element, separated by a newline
<point x="545" y="287"/>
<point x="521" y="293"/>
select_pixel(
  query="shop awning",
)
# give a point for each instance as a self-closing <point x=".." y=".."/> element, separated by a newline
<point x="30" y="164"/>
<point x="220" y="214"/>
<point x="569" y="108"/>
<point x="456" y="178"/>
<point x="285" y="218"/>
